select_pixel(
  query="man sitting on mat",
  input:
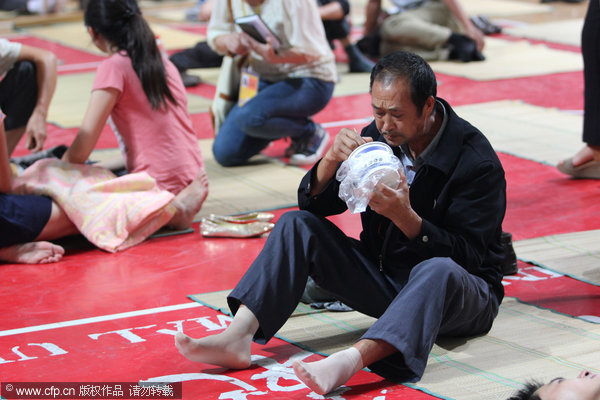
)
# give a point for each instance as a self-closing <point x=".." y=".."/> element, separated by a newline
<point x="25" y="92"/>
<point x="429" y="257"/>
<point x="434" y="29"/>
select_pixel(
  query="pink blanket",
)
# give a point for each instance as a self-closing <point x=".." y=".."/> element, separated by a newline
<point x="113" y="213"/>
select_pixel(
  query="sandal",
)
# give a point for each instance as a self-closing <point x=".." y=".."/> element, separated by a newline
<point x="587" y="170"/>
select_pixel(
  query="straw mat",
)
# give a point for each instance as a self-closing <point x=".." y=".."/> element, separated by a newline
<point x="536" y="133"/>
<point x="503" y="8"/>
<point x="73" y="93"/>
<point x="75" y="35"/>
<point x="525" y="342"/>
<point x="565" y="32"/>
<point x="575" y="254"/>
<point x="506" y="59"/>
<point x="262" y="184"/>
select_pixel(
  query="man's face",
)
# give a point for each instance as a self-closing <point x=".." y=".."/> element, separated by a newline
<point x="585" y="387"/>
<point x="395" y="114"/>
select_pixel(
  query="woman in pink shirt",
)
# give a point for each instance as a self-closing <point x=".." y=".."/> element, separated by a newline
<point x="143" y="94"/>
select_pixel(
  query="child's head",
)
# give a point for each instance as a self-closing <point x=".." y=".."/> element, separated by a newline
<point x="121" y="25"/>
<point x="118" y="21"/>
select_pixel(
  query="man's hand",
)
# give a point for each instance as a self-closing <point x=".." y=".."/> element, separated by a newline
<point x="35" y="132"/>
<point x="344" y="143"/>
<point x="395" y="205"/>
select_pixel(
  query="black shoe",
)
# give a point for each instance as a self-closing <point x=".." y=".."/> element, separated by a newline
<point x="463" y="48"/>
<point x="369" y="44"/>
<point x="509" y="264"/>
<point x="357" y="60"/>
<point x="190" y="80"/>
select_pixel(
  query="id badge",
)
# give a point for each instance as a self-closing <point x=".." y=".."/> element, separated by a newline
<point x="248" y="86"/>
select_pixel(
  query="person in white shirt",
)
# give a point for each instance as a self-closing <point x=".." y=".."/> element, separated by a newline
<point x="296" y="80"/>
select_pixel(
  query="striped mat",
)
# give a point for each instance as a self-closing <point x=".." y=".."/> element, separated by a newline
<point x="526" y="342"/>
<point x="262" y="184"/>
<point x="536" y="133"/>
<point x="506" y="59"/>
<point x="565" y="32"/>
<point x="575" y="254"/>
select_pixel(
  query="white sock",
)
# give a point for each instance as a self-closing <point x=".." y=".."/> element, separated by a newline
<point x="229" y="349"/>
<point x="327" y="374"/>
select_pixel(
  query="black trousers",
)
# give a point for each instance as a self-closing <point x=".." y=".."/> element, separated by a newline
<point x="438" y="298"/>
<point x="590" y="49"/>
<point x="18" y="94"/>
<point x="339" y="28"/>
<point x="13" y="5"/>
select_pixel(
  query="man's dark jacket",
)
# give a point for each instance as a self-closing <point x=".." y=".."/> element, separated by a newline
<point x="459" y="192"/>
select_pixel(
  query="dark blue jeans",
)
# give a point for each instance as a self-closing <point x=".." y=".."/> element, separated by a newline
<point x="438" y="298"/>
<point x="280" y="109"/>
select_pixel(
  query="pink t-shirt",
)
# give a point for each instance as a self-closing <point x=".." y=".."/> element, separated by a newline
<point x="161" y="142"/>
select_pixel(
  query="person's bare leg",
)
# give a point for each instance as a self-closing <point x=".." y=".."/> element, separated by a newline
<point x="189" y="201"/>
<point x="58" y="225"/>
<point x="32" y="253"/>
<point x="40" y="251"/>
<point x="229" y="349"/>
<point x="325" y="375"/>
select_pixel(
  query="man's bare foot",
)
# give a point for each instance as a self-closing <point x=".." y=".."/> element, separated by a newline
<point x="218" y="350"/>
<point x="328" y="374"/>
<point x="32" y="253"/>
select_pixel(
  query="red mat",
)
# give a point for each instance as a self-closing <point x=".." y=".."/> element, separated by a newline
<point x="543" y="201"/>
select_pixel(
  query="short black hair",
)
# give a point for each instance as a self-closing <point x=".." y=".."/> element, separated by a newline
<point x="409" y="66"/>
<point x="528" y="392"/>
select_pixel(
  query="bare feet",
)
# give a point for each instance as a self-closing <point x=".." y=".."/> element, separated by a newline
<point x="32" y="253"/>
<point x="189" y="201"/>
<point x="328" y="374"/>
<point x="218" y="349"/>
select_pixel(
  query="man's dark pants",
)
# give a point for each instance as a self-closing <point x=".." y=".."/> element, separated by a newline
<point x="439" y="296"/>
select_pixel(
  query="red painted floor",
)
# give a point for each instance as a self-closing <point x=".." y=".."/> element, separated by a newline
<point x="99" y="317"/>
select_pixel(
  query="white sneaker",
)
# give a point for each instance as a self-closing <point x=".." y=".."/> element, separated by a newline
<point x="309" y="151"/>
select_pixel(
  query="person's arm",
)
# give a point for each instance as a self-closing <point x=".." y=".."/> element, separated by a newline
<point x="99" y="108"/>
<point x="45" y="64"/>
<point x="463" y="18"/>
<point x="331" y="11"/>
<point x="291" y="55"/>
<point x="205" y="10"/>
<point x="372" y="12"/>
